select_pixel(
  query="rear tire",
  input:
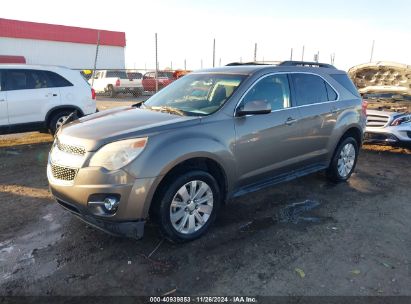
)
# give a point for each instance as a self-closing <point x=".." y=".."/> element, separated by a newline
<point x="188" y="206"/>
<point x="57" y="120"/>
<point x="344" y="160"/>
<point x="110" y="91"/>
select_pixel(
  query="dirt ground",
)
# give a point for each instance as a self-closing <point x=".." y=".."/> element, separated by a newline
<point x="305" y="237"/>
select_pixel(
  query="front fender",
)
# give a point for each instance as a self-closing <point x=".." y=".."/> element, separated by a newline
<point x="165" y="153"/>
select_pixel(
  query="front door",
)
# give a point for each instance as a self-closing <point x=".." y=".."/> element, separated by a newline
<point x="266" y="144"/>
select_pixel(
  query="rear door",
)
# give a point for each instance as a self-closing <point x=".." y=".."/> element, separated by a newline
<point x="316" y="102"/>
<point x="267" y="144"/>
<point x="30" y="95"/>
<point x="4" y="118"/>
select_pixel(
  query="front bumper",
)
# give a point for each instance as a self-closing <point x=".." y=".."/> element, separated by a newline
<point x="389" y="135"/>
<point x="130" y="229"/>
<point x="91" y="184"/>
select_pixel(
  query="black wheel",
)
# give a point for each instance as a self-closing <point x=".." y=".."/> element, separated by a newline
<point x="188" y="206"/>
<point x="57" y="120"/>
<point x="110" y="91"/>
<point x="344" y="160"/>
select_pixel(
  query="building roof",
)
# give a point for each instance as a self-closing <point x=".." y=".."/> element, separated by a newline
<point x="53" y="32"/>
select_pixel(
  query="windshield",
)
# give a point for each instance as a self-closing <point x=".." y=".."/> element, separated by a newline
<point x="195" y="94"/>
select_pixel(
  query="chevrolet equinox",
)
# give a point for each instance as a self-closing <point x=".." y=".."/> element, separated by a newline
<point x="209" y="136"/>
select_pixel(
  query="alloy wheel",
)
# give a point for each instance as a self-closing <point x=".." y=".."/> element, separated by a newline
<point x="191" y="207"/>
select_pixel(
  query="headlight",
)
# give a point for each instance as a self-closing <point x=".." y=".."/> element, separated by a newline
<point x="402" y="119"/>
<point x="117" y="154"/>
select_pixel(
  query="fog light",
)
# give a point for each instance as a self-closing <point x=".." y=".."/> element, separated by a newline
<point x="111" y="204"/>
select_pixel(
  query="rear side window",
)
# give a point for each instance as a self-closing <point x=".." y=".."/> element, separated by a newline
<point x="346" y="82"/>
<point x="311" y="89"/>
<point x="27" y="80"/>
<point x="119" y="74"/>
<point x="332" y="95"/>
<point x="57" y="81"/>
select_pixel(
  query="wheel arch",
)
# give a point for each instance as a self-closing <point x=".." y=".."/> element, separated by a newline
<point x="204" y="163"/>
<point x="54" y="110"/>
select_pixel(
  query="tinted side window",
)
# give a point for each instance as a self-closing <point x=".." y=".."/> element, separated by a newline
<point x="37" y="80"/>
<point x="272" y="89"/>
<point x="57" y="80"/>
<point x="332" y="95"/>
<point x="309" y="89"/>
<point x="346" y="82"/>
<point x="119" y="74"/>
<point x="16" y="80"/>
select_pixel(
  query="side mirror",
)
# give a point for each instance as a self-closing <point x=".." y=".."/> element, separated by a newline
<point x="255" y="107"/>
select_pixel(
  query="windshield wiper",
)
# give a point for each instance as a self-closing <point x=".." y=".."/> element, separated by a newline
<point x="167" y="109"/>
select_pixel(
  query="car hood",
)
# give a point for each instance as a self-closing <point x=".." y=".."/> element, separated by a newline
<point x="388" y="78"/>
<point x="96" y="130"/>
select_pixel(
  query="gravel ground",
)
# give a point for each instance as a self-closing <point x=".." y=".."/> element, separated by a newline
<point x="304" y="237"/>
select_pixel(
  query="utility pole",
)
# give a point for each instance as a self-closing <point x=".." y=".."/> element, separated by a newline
<point x="156" y="63"/>
<point x="214" y="53"/>
<point x="95" y="59"/>
<point x="255" y="52"/>
<point x="201" y="63"/>
<point x="219" y="63"/>
<point x="291" y="57"/>
<point x="185" y="64"/>
<point x="302" y="56"/>
<point x="372" y="50"/>
<point x="317" y="57"/>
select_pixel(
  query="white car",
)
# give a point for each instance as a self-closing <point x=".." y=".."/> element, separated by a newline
<point x="112" y="82"/>
<point x="38" y="98"/>
<point x="386" y="86"/>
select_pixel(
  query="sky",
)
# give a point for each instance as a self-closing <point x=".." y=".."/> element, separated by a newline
<point x="186" y="29"/>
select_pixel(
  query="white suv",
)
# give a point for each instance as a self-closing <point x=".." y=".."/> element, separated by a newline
<point x="38" y="98"/>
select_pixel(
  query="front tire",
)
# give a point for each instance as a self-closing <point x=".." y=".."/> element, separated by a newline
<point x="344" y="160"/>
<point x="188" y="206"/>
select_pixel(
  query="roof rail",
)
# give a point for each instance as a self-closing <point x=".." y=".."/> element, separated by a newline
<point x="247" y="63"/>
<point x="307" y="64"/>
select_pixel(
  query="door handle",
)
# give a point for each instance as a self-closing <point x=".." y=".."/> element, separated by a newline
<point x="51" y="94"/>
<point x="2" y="100"/>
<point x="290" y="121"/>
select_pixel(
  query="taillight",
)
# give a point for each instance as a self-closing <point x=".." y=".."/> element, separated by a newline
<point x="118" y="83"/>
<point x="364" y="107"/>
<point x="93" y="94"/>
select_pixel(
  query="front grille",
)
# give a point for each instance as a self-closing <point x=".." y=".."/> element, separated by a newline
<point x="63" y="173"/>
<point x="70" y="149"/>
<point x="374" y="120"/>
